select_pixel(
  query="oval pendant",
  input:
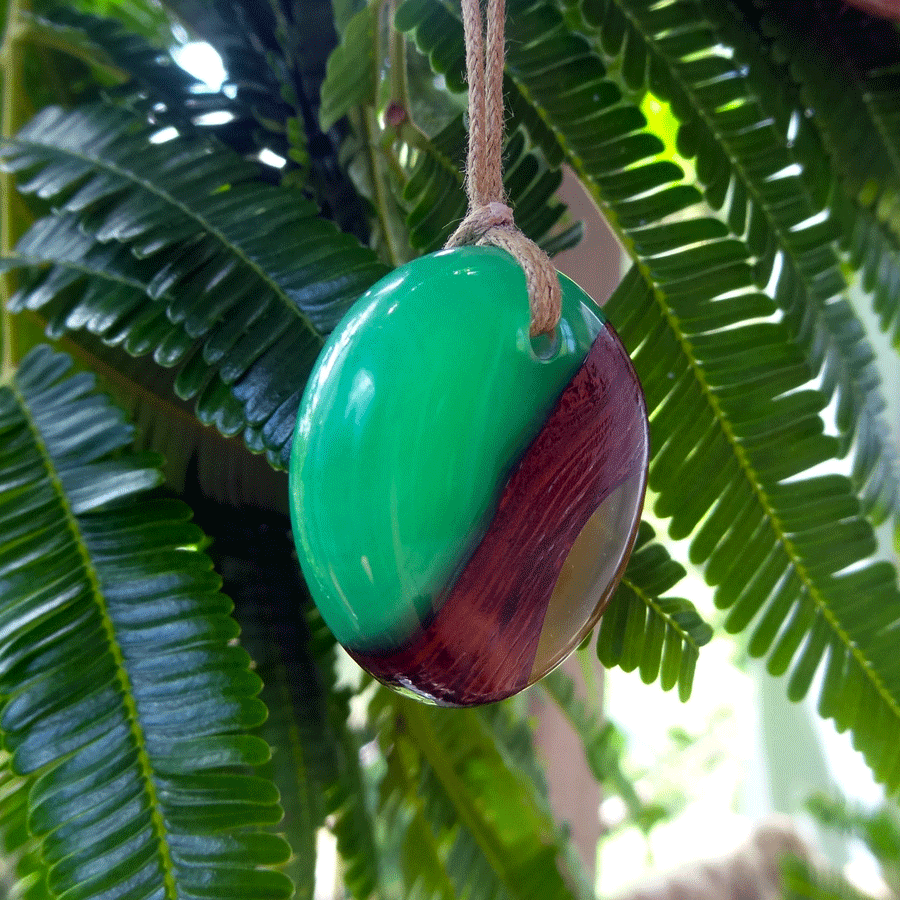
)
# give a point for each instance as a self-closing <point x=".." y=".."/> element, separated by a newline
<point x="464" y="499"/>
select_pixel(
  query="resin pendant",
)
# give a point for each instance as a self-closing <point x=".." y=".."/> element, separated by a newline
<point x="464" y="499"/>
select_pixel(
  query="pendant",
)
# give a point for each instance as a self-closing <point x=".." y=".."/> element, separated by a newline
<point x="464" y="498"/>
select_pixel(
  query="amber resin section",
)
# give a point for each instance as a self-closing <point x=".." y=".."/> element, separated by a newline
<point x="552" y="554"/>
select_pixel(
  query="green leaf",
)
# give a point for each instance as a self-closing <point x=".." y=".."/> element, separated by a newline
<point x="641" y="629"/>
<point x="124" y="697"/>
<point x="844" y="70"/>
<point x="802" y="881"/>
<point x="344" y="10"/>
<point x="878" y="829"/>
<point x="499" y="839"/>
<point x="789" y="553"/>
<point x="351" y="77"/>
<point x="243" y="279"/>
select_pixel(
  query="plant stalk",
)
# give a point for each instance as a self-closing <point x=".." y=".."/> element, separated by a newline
<point x="10" y="115"/>
<point x="379" y="173"/>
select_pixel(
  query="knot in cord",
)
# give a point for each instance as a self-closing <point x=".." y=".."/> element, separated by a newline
<point x="479" y="220"/>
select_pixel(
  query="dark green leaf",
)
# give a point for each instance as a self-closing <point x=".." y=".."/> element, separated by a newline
<point x="350" y="79"/>
<point x="247" y="278"/>
<point x="639" y="622"/>
<point x="123" y="696"/>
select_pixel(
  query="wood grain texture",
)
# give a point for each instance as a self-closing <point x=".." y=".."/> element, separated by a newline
<point x="480" y="645"/>
<point x="888" y="9"/>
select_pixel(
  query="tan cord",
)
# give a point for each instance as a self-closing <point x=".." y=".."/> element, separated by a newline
<point x="489" y="220"/>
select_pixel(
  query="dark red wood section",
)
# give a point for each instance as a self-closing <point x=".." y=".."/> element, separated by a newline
<point x="480" y="645"/>
<point x="889" y="9"/>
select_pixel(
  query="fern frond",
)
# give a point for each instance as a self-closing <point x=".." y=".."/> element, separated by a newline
<point x="512" y="728"/>
<point x="788" y="550"/>
<point x="874" y="251"/>
<point x="72" y="42"/>
<point x="421" y="846"/>
<point x="347" y="800"/>
<point x="502" y="844"/>
<point x="641" y="629"/>
<point x="846" y="66"/>
<point x="261" y="109"/>
<point x="269" y="607"/>
<point x="844" y="69"/>
<point x="514" y="738"/>
<point x="802" y="881"/>
<point x="142" y="73"/>
<point x="878" y="828"/>
<point x="108" y="41"/>
<point x="772" y="189"/>
<point x="316" y="762"/>
<point x="276" y="55"/>
<point x="246" y="278"/>
<point x="139" y="759"/>
<point x="319" y="715"/>
<point x="146" y="18"/>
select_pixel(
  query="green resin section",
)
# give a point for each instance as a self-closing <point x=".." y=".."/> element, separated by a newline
<point x="421" y="402"/>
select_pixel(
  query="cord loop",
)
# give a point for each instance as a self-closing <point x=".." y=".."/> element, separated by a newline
<point x="489" y="219"/>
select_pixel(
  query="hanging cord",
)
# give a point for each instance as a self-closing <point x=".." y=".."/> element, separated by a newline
<point x="489" y="220"/>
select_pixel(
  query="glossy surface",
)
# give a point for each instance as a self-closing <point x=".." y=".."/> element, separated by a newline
<point x="551" y="555"/>
<point x="419" y="405"/>
<point x="440" y="478"/>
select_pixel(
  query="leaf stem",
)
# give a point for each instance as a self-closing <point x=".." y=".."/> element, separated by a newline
<point x="10" y="113"/>
<point x="381" y="196"/>
<point x="399" y="92"/>
<point x="456" y="789"/>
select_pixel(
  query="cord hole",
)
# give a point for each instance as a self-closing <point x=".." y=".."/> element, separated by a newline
<point x="546" y="346"/>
